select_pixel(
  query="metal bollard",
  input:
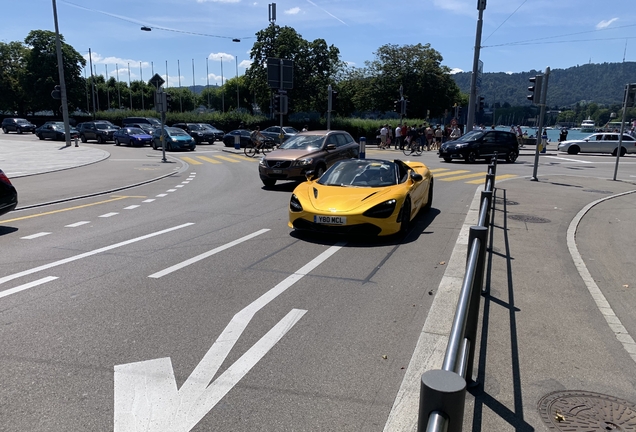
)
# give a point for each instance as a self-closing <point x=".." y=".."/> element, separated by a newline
<point x="363" y="148"/>
<point x="237" y="142"/>
<point x="443" y="392"/>
<point x="76" y="142"/>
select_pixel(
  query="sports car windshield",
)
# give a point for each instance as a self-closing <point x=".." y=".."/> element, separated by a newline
<point x="304" y="142"/>
<point x="357" y="173"/>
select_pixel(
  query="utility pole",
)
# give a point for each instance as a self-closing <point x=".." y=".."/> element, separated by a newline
<point x="60" y="68"/>
<point x="544" y="93"/>
<point x="481" y="5"/>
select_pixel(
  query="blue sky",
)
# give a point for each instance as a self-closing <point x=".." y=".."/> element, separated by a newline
<point x="517" y="35"/>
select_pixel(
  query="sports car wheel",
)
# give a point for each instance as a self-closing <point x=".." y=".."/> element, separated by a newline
<point x="447" y="159"/>
<point x="512" y="156"/>
<point x="83" y="138"/>
<point x="429" y="201"/>
<point x="471" y="157"/>
<point x="574" y="150"/>
<point x="406" y="217"/>
<point x="116" y="142"/>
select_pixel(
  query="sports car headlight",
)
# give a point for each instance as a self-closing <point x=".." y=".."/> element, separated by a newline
<point x="294" y="204"/>
<point x="303" y="162"/>
<point x="383" y="210"/>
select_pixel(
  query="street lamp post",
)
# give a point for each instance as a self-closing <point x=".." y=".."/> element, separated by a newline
<point x="237" y="85"/>
<point x="481" y="5"/>
<point x="60" y="68"/>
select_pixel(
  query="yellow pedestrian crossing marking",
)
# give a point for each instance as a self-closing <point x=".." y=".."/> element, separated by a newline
<point x="208" y="159"/>
<point x="462" y="177"/>
<point x="499" y="177"/>
<point x="444" y="174"/>
<point x="191" y="161"/>
<point x="227" y="159"/>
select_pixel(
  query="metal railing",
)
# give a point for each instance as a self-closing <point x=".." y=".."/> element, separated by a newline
<point x="443" y="392"/>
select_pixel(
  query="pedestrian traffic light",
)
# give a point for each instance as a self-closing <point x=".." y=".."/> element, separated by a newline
<point x="168" y="102"/>
<point x="535" y="89"/>
<point x="397" y="106"/>
<point x="57" y="92"/>
<point x="334" y="99"/>
<point x="481" y="103"/>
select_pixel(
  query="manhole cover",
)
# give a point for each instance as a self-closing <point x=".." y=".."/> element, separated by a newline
<point x="597" y="191"/>
<point x="586" y="412"/>
<point x="529" y="219"/>
<point x="501" y="201"/>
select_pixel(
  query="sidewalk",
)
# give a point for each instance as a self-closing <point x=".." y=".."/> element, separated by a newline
<point x="558" y="316"/>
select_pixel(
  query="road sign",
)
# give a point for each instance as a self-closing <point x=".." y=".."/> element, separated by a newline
<point x="274" y="73"/>
<point x="156" y="81"/>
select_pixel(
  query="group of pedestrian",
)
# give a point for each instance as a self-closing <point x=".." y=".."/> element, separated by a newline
<point x="423" y="135"/>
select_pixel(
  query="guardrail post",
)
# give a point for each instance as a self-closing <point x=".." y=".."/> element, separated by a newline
<point x="490" y="177"/>
<point x="480" y="233"/>
<point x="486" y="195"/>
<point x="443" y="392"/>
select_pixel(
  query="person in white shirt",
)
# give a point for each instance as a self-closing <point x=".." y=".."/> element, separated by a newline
<point x="455" y="133"/>
<point x="384" y="132"/>
<point x="398" y="137"/>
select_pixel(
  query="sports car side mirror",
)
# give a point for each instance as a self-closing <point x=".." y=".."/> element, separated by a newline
<point x="309" y="175"/>
<point x="416" y="177"/>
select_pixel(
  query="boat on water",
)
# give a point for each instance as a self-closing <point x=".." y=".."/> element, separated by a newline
<point x="588" y="125"/>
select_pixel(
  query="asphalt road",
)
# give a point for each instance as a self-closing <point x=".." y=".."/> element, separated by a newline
<point x="111" y="303"/>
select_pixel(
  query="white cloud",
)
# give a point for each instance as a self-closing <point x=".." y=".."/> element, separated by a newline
<point x="99" y="59"/>
<point x="455" y="70"/>
<point x="245" y="64"/>
<point x="459" y="6"/>
<point x="350" y="63"/>
<point x="292" y="11"/>
<point x="221" y="56"/>
<point x="605" y="23"/>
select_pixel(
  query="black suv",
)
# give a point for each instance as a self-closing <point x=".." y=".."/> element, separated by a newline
<point x="201" y="132"/>
<point x="18" y="125"/>
<point x="479" y="144"/>
<point x="96" y="130"/>
<point x="148" y="124"/>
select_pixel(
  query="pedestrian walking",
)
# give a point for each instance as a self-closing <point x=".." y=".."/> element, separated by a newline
<point x="398" y="137"/>
<point x="383" y="137"/>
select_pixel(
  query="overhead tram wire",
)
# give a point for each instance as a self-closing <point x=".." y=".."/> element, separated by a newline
<point x="145" y="27"/>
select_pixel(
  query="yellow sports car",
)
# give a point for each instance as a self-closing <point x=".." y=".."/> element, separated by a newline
<point x="369" y="196"/>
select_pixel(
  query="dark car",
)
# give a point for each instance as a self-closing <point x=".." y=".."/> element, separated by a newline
<point x="176" y="139"/>
<point x="98" y="131"/>
<point x="18" y="125"/>
<point x="55" y="131"/>
<point x="315" y="150"/>
<point x="198" y="131"/>
<point x="244" y="134"/>
<point x="273" y="133"/>
<point x="8" y="195"/>
<point x="138" y="121"/>
<point x="479" y="144"/>
<point x="132" y="136"/>
<point x="218" y="133"/>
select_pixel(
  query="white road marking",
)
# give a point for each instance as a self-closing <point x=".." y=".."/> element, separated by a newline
<point x="185" y="182"/>
<point x="146" y="396"/>
<point x="603" y="305"/>
<point x="130" y="207"/>
<point x="171" y="190"/>
<point x="148" y="200"/>
<point x="161" y="195"/>
<point x="89" y="253"/>
<point x="107" y="215"/>
<point x="34" y="236"/>
<point x="179" y="186"/>
<point x="76" y="224"/>
<point x="27" y="286"/>
<point x="567" y="159"/>
<point x="206" y="254"/>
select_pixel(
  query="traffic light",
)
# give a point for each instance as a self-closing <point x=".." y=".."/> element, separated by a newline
<point x="397" y="106"/>
<point x="276" y="103"/>
<point x="481" y="103"/>
<point x="535" y="89"/>
<point x="57" y="92"/>
<point x="334" y="99"/>
<point x="459" y="114"/>
<point x="403" y="110"/>
<point x="168" y="102"/>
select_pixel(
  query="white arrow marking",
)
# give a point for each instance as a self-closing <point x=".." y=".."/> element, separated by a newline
<point x="146" y="396"/>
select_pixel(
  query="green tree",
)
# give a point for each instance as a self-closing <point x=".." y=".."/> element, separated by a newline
<point x="12" y="68"/>
<point x="41" y="73"/>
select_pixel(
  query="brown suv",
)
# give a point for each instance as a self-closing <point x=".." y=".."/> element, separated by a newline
<point x="315" y="150"/>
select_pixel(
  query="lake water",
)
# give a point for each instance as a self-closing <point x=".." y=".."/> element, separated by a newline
<point x="553" y="134"/>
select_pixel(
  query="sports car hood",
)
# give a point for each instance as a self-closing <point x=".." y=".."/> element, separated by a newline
<point x="344" y="199"/>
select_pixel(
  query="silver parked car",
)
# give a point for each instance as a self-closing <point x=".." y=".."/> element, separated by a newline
<point x="601" y="142"/>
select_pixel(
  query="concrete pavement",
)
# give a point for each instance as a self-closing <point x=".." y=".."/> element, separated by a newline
<point x="558" y="312"/>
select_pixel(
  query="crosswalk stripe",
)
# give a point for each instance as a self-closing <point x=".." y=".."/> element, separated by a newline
<point x="191" y="161"/>
<point x="209" y="159"/>
<point x="462" y="177"/>
<point x="227" y="159"/>
<point x="499" y="177"/>
<point x="450" y="173"/>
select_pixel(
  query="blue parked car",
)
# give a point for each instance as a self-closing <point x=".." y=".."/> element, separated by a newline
<point x="176" y="139"/>
<point x="132" y="136"/>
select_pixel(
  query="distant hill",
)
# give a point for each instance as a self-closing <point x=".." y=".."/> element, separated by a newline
<point x="603" y="84"/>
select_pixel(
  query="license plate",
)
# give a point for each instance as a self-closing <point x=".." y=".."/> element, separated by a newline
<point x="332" y="220"/>
<point x="277" y="171"/>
